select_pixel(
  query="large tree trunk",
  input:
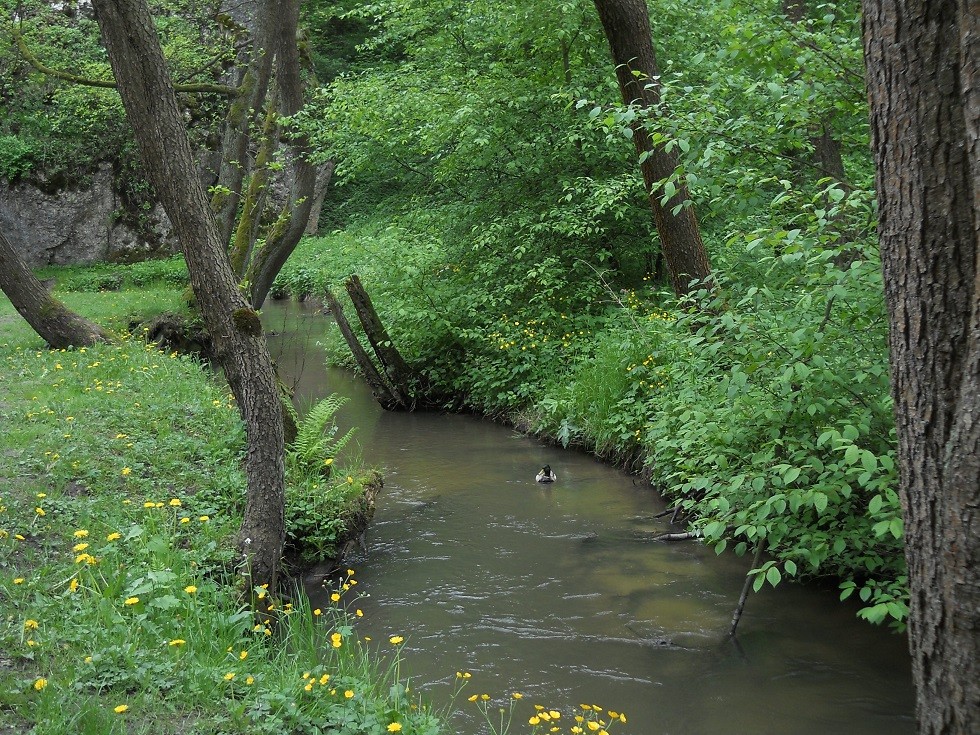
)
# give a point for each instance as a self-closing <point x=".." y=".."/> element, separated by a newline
<point x="147" y="94"/>
<point x="924" y="91"/>
<point x="58" y="326"/>
<point x="627" y="27"/>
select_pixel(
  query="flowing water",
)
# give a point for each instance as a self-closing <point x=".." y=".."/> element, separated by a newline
<point x="555" y="591"/>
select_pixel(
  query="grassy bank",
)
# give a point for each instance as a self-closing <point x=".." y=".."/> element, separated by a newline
<point x="122" y="492"/>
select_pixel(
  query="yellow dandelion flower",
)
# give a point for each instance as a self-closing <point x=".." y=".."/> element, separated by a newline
<point x="113" y="536"/>
<point x="229" y="676"/>
<point x="40" y="511"/>
<point x="19" y="580"/>
<point x="395" y="640"/>
<point x="395" y="727"/>
<point x="42" y="495"/>
<point x="79" y="547"/>
<point x="249" y="680"/>
<point x="126" y="471"/>
<point x="131" y="600"/>
<point x="80" y="533"/>
<point x="73" y="585"/>
<point x="39" y="684"/>
<point x="190" y="589"/>
<point x="185" y="519"/>
<point x="204" y="519"/>
<point x="149" y="504"/>
<point x="30" y="624"/>
<point x="175" y="503"/>
<point x="243" y="655"/>
<point x="177" y="642"/>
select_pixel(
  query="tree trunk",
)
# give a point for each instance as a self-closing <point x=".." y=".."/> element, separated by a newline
<point x="147" y="94"/>
<point x="826" y="148"/>
<point x="924" y="91"/>
<point x="286" y="234"/>
<point x="626" y="24"/>
<point x="396" y="369"/>
<point x="58" y="326"/>
<point x="380" y="387"/>
<point x="323" y="175"/>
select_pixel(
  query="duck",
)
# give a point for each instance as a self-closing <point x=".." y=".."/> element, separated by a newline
<point x="546" y="475"/>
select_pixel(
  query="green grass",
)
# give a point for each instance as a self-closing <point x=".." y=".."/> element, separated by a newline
<point x="122" y="490"/>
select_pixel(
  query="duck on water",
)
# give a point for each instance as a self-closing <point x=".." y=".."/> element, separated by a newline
<point x="546" y="475"/>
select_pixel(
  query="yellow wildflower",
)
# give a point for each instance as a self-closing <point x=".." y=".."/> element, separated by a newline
<point x="131" y="600"/>
<point x="395" y="727"/>
<point x="119" y="709"/>
<point x="395" y="640"/>
<point x="19" y="580"/>
<point x="190" y="589"/>
<point x="80" y="533"/>
<point x="39" y="684"/>
<point x="30" y="624"/>
<point x="79" y="547"/>
<point x="348" y="694"/>
<point x="126" y="471"/>
<point x="177" y="642"/>
<point x="113" y="536"/>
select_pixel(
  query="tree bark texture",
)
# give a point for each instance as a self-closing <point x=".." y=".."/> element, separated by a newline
<point x="58" y="326"/>
<point x="924" y="92"/>
<point x="380" y="387"/>
<point x="147" y="94"/>
<point x="397" y="371"/>
<point x="626" y="24"/>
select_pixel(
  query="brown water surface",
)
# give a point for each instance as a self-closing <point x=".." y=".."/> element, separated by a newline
<point x="553" y="591"/>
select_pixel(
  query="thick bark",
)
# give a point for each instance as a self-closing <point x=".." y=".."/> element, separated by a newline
<point x="147" y="94"/>
<point x="626" y="24"/>
<point x="924" y="93"/>
<point x="58" y="326"/>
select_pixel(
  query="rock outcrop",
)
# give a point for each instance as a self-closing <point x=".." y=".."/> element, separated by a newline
<point x="77" y="225"/>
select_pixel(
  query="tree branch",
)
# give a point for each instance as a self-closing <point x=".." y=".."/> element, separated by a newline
<point x="65" y="76"/>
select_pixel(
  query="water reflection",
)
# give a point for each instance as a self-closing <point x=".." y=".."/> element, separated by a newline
<point x="554" y="591"/>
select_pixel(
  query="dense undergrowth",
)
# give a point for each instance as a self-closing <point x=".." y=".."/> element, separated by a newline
<point x="763" y="411"/>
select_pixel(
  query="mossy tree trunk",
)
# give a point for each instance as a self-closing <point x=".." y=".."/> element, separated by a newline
<point x="147" y="93"/>
<point x="58" y="325"/>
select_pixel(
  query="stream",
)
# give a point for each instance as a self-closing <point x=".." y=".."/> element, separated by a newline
<point x="553" y="590"/>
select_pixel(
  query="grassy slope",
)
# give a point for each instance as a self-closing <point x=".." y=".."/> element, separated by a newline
<point x="121" y="491"/>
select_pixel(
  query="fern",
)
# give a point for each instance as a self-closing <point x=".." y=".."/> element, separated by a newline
<point x="316" y="437"/>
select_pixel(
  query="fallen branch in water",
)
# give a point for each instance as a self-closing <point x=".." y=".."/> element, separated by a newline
<point x="685" y="536"/>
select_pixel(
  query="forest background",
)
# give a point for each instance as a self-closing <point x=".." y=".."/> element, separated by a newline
<point x="486" y="191"/>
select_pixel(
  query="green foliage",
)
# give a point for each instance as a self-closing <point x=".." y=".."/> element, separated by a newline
<point x="316" y="444"/>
